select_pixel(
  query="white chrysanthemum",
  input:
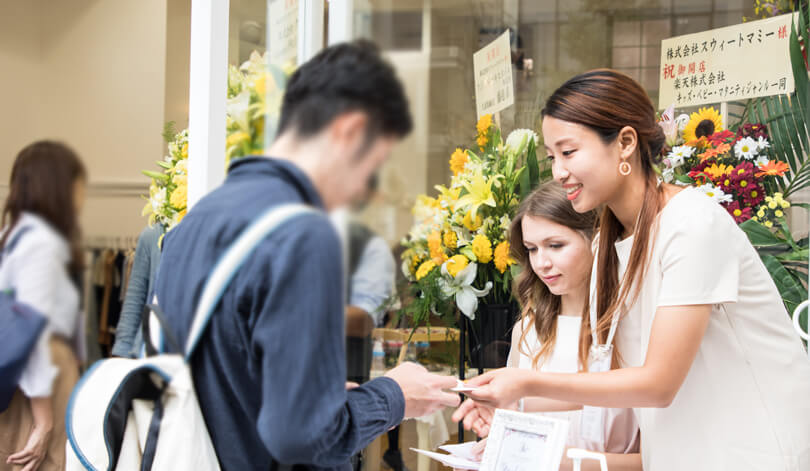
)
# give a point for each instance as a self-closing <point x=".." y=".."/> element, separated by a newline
<point x="518" y="140"/>
<point x="679" y="154"/>
<point x="716" y="194"/>
<point x="762" y="144"/>
<point x="761" y="160"/>
<point x="746" y="148"/>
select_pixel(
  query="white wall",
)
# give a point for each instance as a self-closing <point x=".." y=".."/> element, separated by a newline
<point x="91" y="73"/>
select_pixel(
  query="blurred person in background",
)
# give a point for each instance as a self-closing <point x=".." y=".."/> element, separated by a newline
<point x="128" y="333"/>
<point x="41" y="265"/>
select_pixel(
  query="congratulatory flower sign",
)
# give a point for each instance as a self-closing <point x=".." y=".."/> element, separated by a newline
<point x="733" y="63"/>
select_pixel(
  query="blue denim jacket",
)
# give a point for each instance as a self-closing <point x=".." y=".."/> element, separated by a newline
<point x="128" y="337"/>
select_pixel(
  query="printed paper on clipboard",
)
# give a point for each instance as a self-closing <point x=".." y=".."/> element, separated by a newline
<point x="524" y="442"/>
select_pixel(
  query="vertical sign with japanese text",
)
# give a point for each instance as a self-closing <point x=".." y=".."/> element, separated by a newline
<point x="492" y="65"/>
<point x="283" y="21"/>
<point x="738" y="62"/>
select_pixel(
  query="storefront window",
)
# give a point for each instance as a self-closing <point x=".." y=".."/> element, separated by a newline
<point x="431" y="43"/>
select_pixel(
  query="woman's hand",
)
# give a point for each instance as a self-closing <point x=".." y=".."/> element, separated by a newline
<point x="36" y="448"/>
<point x="475" y="416"/>
<point x="501" y="388"/>
<point x="478" y="450"/>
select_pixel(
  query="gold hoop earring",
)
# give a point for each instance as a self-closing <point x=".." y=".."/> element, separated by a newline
<point x="624" y="168"/>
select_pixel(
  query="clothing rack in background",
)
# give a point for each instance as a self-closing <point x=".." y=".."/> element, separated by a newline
<point x="108" y="264"/>
<point x="110" y="242"/>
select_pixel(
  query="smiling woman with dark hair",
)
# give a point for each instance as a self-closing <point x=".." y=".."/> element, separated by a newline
<point x="40" y="265"/>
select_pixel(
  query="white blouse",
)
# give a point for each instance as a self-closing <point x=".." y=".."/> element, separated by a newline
<point x="745" y="403"/>
<point x="621" y="429"/>
<point x="36" y="270"/>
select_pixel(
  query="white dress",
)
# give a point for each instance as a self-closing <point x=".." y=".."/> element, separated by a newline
<point x="36" y="269"/>
<point x="745" y="403"/>
<point x="621" y="429"/>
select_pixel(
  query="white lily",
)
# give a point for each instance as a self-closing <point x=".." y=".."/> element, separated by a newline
<point x="460" y="286"/>
<point x="669" y="125"/>
<point x="237" y="109"/>
<point x="518" y="139"/>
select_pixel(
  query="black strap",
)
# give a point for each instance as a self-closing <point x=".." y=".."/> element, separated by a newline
<point x="151" y="350"/>
<point x="150" y="448"/>
<point x="12" y="242"/>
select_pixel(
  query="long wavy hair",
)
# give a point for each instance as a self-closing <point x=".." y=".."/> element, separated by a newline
<point x="43" y="181"/>
<point x="605" y="101"/>
<point x="539" y="307"/>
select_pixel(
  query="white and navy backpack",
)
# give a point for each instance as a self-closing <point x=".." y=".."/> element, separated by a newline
<point x="143" y="414"/>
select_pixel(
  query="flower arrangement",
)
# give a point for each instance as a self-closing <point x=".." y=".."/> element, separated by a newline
<point x="457" y="251"/>
<point x="168" y="191"/>
<point x="255" y="91"/>
<point x="734" y="169"/>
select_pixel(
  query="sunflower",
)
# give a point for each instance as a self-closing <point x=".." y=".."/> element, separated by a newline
<point x="703" y="123"/>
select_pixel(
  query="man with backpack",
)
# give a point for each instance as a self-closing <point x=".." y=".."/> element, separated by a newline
<point x="269" y="370"/>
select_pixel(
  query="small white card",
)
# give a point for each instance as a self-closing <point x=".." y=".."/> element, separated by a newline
<point x="461" y="387"/>
<point x="450" y="460"/>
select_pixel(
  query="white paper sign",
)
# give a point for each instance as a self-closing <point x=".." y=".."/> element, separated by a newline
<point x="283" y="20"/>
<point x="492" y="65"/>
<point x="738" y="62"/>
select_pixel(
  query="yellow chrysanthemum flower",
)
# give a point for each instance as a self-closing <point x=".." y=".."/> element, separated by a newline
<point x="768" y="224"/>
<point x="502" y="258"/>
<point x="180" y="180"/>
<point x="424" y="269"/>
<point x="471" y="224"/>
<point x="703" y="123"/>
<point x="179" y="197"/>
<point x="482" y="248"/>
<point x="434" y="241"/>
<point x="458" y="160"/>
<point x="482" y="141"/>
<point x="181" y="215"/>
<point x="456" y="263"/>
<point x="450" y="240"/>
<point x="717" y="171"/>
<point x="484" y="123"/>
<point x="778" y="213"/>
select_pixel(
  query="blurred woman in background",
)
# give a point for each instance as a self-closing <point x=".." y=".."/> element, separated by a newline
<point x="42" y="268"/>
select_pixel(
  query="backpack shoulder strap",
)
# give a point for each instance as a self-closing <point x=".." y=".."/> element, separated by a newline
<point x="12" y="242"/>
<point x="230" y="262"/>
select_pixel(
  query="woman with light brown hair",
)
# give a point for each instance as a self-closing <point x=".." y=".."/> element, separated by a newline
<point x="41" y="265"/>
<point x="708" y="357"/>
<point x="552" y="244"/>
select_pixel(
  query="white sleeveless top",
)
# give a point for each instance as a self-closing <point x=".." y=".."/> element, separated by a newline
<point x="621" y="428"/>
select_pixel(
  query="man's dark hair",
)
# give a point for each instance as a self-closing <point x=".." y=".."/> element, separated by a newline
<point x="342" y="78"/>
